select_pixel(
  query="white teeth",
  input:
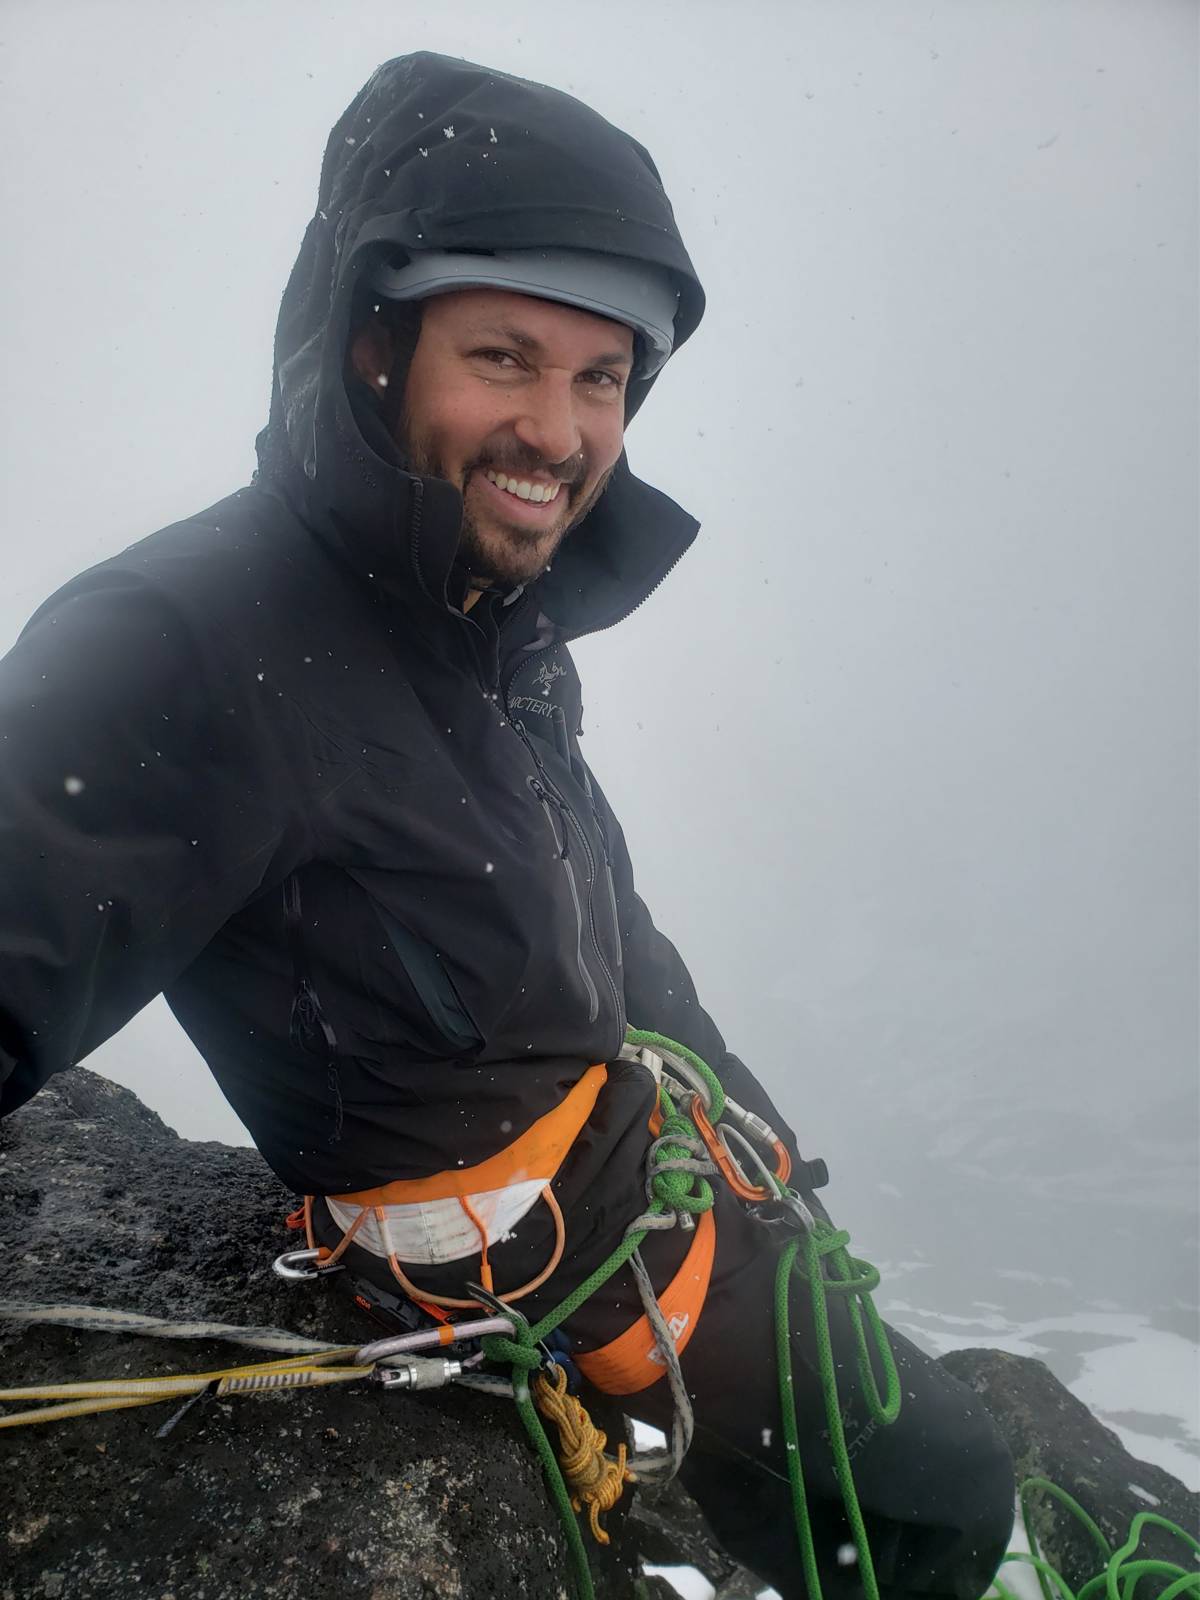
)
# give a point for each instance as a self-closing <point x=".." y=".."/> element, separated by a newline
<point x="537" y="493"/>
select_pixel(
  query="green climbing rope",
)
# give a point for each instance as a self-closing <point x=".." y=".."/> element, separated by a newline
<point x="685" y="1191"/>
<point x="1119" y="1575"/>
<point x="819" y="1257"/>
<point x="670" y="1190"/>
<point x="850" y="1277"/>
<point x="642" y="1039"/>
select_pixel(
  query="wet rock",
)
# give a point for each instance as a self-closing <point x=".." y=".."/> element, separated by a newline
<point x="305" y="1496"/>
<point x="672" y="1531"/>
<point x="1053" y="1435"/>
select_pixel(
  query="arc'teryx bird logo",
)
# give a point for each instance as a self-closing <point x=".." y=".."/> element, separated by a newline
<point x="547" y="673"/>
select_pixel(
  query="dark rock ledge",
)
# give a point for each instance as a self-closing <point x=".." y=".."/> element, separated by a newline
<point x="342" y="1493"/>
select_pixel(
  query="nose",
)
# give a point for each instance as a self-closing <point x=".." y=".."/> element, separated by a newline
<point x="547" y="422"/>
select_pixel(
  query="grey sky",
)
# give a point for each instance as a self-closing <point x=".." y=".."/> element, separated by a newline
<point x="906" y="748"/>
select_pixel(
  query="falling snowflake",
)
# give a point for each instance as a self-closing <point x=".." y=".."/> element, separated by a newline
<point x="449" y="132"/>
<point x="73" y="785"/>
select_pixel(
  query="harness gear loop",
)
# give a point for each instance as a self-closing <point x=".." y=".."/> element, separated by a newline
<point x="419" y="1294"/>
<point x="595" y="1480"/>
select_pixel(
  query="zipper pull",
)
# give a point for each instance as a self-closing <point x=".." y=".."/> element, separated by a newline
<point x="547" y="800"/>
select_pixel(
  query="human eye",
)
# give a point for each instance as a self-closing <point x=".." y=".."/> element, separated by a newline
<point x="504" y="359"/>
<point x="597" y="378"/>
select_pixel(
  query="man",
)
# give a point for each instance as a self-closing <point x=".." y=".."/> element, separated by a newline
<point x="309" y="763"/>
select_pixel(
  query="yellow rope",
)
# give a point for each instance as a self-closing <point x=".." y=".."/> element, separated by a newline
<point x="595" y="1480"/>
<point x="87" y="1399"/>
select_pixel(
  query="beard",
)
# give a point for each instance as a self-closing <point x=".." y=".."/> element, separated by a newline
<point x="494" y="551"/>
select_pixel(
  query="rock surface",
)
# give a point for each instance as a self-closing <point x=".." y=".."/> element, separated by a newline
<point x="337" y="1492"/>
<point x="342" y="1492"/>
<point x="1053" y="1435"/>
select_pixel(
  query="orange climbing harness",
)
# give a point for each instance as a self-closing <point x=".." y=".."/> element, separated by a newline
<point x="463" y="1210"/>
<point x="460" y="1212"/>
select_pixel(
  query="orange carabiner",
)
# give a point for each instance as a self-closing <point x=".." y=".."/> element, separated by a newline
<point x="783" y="1161"/>
<point x="720" y="1155"/>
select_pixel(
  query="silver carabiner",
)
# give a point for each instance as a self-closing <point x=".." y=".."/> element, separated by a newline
<point x="793" y="1203"/>
<point x="288" y="1265"/>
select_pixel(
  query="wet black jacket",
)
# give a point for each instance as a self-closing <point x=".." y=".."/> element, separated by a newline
<point x="261" y="762"/>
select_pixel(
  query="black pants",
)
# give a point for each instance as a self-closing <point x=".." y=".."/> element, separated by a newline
<point x="935" y="1487"/>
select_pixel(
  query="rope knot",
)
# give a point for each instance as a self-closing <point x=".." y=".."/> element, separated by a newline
<point x="595" y="1480"/>
<point x="677" y="1166"/>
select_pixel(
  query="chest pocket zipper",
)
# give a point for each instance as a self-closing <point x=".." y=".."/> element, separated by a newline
<point x="608" y="871"/>
<point x="431" y="983"/>
<point x="562" y="850"/>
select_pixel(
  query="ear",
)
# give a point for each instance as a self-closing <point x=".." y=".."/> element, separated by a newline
<point x="372" y="351"/>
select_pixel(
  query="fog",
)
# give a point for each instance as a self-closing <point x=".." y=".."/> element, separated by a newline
<point x="906" y="748"/>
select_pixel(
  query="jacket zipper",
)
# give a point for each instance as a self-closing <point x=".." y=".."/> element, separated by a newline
<point x="549" y="795"/>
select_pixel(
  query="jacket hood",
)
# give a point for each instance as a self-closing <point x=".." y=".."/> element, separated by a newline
<point x="440" y="154"/>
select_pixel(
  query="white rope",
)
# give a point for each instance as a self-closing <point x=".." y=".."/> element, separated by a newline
<point x="102" y="1319"/>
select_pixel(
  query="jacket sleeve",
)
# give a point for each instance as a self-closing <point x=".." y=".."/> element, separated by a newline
<point x="659" y="993"/>
<point x="140" y="807"/>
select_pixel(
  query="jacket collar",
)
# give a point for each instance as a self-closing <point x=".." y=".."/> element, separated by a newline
<point x="401" y="532"/>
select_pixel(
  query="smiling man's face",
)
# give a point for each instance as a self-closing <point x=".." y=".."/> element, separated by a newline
<point x="518" y="402"/>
